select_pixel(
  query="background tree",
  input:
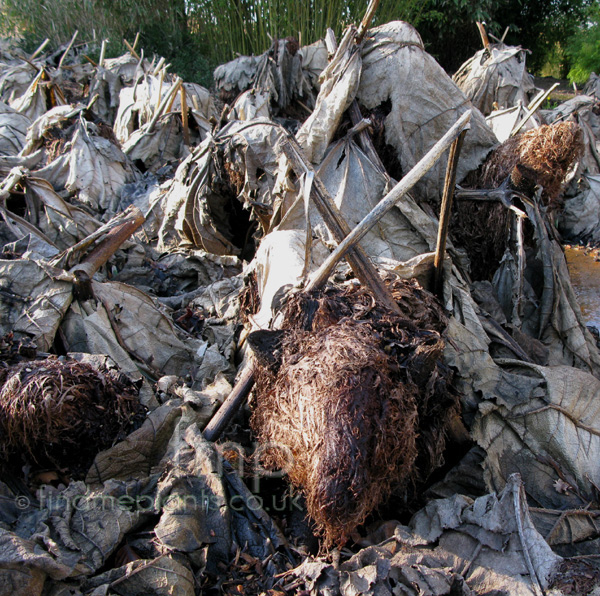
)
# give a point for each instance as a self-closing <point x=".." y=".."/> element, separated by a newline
<point x="583" y="48"/>
<point x="196" y="35"/>
<point x="539" y="25"/>
<point x="449" y="32"/>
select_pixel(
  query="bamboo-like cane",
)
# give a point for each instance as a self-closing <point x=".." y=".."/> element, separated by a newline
<point x="62" y="58"/>
<point x="39" y="50"/>
<point x="445" y="208"/>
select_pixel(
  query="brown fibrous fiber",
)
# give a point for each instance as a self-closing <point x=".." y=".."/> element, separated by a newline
<point x="542" y="156"/>
<point x="249" y="298"/>
<point x="358" y="404"/>
<point x="482" y="229"/>
<point x="61" y="414"/>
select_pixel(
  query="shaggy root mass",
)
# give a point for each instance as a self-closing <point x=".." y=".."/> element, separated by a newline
<point x="357" y="404"/>
<point x="61" y="414"/>
<point x="542" y="156"/>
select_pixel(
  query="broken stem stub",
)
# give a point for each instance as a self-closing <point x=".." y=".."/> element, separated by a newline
<point x="445" y="209"/>
<point x="366" y="21"/>
<point x="110" y="244"/>
<point x="230" y="406"/>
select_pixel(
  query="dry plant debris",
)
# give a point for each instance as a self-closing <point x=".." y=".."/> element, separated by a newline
<point x="61" y="414"/>
<point x="482" y="229"/>
<point x="360" y="398"/>
<point x="576" y="577"/>
<point x="543" y="156"/>
<point x="358" y="403"/>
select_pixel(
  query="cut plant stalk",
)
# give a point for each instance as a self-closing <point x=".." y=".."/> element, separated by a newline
<point x="102" y="53"/>
<point x="532" y="108"/>
<point x="120" y="227"/>
<point x="93" y="100"/>
<point x="178" y="83"/>
<point x="184" y="117"/>
<point x="161" y="79"/>
<point x="39" y="50"/>
<point x="159" y="66"/>
<point x="99" y="256"/>
<point x="364" y="138"/>
<point x="131" y="50"/>
<point x="90" y="60"/>
<point x="62" y="58"/>
<point x="393" y="197"/>
<point x="446" y="207"/>
<point x="484" y="38"/>
<point x="111" y="243"/>
<point x="360" y="263"/>
<point x="218" y="423"/>
<point x="366" y="21"/>
<point x="165" y="104"/>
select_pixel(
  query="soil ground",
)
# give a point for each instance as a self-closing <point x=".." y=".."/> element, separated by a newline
<point x="563" y="92"/>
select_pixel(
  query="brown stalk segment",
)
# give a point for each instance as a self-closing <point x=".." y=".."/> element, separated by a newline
<point x="361" y="264"/>
<point x="100" y="255"/>
<point x="484" y="38"/>
<point x="184" y="117"/>
<point x="445" y="211"/>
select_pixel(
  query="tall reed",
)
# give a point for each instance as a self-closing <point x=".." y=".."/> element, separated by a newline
<point x="94" y="19"/>
<point x="184" y="29"/>
<point x="247" y="27"/>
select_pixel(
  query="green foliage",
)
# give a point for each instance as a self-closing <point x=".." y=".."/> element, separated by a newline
<point x="95" y="20"/>
<point x="449" y="32"/>
<point x="583" y="48"/>
<point x="556" y="64"/>
<point x="162" y="25"/>
<point x="196" y="35"/>
<point x="232" y="27"/>
<point x="539" y="25"/>
<point x="190" y="57"/>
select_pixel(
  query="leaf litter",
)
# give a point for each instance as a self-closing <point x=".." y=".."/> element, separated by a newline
<point x="152" y="250"/>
